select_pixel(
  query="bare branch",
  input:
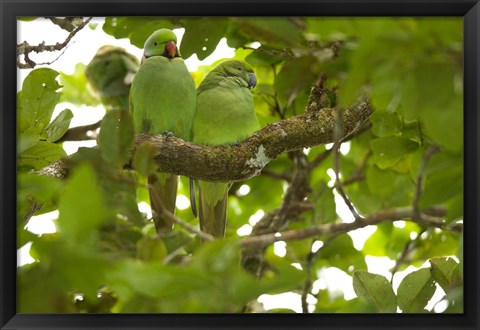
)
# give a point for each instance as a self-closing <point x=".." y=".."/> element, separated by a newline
<point x="409" y="246"/>
<point x="405" y="214"/>
<point x="80" y="133"/>
<point x="282" y="176"/>
<point x="319" y="159"/>
<point x="25" y="49"/>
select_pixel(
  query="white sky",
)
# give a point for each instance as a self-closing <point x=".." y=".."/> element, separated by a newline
<point x="81" y="50"/>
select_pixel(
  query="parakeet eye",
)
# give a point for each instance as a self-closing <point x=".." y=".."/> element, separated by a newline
<point x="239" y="68"/>
<point x="155" y="43"/>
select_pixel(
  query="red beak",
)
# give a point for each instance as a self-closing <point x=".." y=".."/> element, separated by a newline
<point x="171" y="49"/>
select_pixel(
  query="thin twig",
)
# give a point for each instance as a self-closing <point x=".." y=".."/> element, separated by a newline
<point x="406" y="250"/>
<point x="25" y="49"/>
<point x="171" y="217"/>
<point x="319" y="159"/>
<point x="432" y="150"/>
<point x="336" y="166"/>
<point x="282" y="176"/>
<point x="358" y="173"/>
<point x="307" y="286"/>
<point x="277" y="107"/>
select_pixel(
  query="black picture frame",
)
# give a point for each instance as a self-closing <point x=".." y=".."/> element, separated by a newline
<point x="10" y="9"/>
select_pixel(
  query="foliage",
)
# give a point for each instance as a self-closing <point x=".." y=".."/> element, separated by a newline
<point x="106" y="255"/>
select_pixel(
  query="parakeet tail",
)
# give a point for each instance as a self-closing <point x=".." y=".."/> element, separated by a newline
<point x="213" y="218"/>
<point x="162" y="189"/>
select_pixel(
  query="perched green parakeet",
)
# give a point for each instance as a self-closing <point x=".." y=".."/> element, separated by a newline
<point x="225" y="115"/>
<point x="162" y="99"/>
<point x="110" y="74"/>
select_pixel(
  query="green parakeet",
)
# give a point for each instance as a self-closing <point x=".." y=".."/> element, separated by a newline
<point x="110" y="74"/>
<point x="225" y="115"/>
<point x="162" y="99"/>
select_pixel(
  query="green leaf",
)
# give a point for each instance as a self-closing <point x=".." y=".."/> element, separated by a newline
<point x="40" y="155"/>
<point x="281" y="278"/>
<point x="437" y="101"/>
<point x="24" y="236"/>
<point x="341" y="253"/>
<point x="389" y="150"/>
<point x="338" y="304"/>
<point x="144" y="159"/>
<point x="435" y="244"/>
<point x="375" y="289"/>
<point x="295" y="76"/>
<point x="57" y="128"/>
<point x="328" y="28"/>
<point x="389" y="240"/>
<point x="442" y="185"/>
<point x="202" y="36"/>
<point x="26" y="140"/>
<point x="71" y="266"/>
<point x="151" y="248"/>
<point x="137" y="29"/>
<point x="35" y="298"/>
<point x="272" y="31"/>
<point x="81" y="208"/>
<point x="265" y="56"/>
<point x="442" y="270"/>
<point x="325" y="207"/>
<point x="34" y="188"/>
<point x="385" y="82"/>
<point x="75" y="88"/>
<point x="37" y="100"/>
<point x="116" y="136"/>
<point x="416" y="289"/>
<point x="393" y="186"/>
<point x="385" y="123"/>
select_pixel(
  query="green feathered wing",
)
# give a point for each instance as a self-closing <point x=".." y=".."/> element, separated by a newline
<point x="162" y="99"/>
<point x="224" y="115"/>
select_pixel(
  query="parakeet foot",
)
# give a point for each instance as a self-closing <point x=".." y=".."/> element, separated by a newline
<point x="167" y="135"/>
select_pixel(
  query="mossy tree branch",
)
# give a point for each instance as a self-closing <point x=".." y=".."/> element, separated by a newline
<point x="247" y="159"/>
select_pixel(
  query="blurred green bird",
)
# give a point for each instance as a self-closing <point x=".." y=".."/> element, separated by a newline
<point x="110" y="74"/>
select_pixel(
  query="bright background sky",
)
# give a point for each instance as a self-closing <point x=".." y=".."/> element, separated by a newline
<point x="81" y="49"/>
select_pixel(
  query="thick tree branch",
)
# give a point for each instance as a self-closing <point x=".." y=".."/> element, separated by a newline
<point x="247" y="159"/>
<point x="242" y="161"/>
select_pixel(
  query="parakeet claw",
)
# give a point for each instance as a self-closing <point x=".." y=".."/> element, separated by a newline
<point x="167" y="135"/>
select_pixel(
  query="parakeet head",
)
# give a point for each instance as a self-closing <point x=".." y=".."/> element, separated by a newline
<point x="162" y="42"/>
<point x="240" y="69"/>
